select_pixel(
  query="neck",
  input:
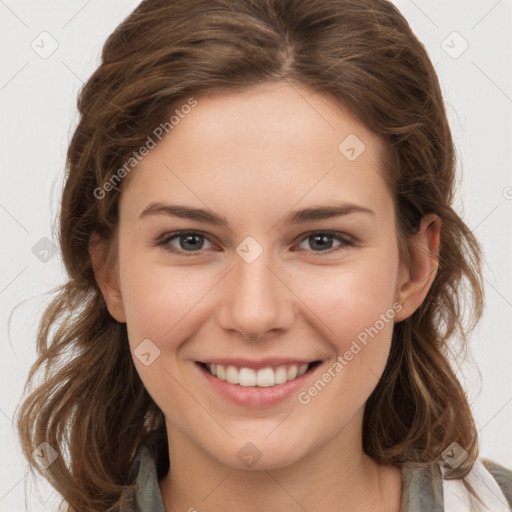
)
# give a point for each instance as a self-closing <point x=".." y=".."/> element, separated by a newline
<point x="335" y="476"/>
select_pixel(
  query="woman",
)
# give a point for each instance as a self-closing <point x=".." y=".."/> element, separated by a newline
<point x="264" y="272"/>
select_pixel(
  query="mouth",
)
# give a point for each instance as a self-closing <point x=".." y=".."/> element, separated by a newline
<point x="266" y="377"/>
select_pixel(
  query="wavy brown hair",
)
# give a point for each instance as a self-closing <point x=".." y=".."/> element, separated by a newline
<point x="91" y="405"/>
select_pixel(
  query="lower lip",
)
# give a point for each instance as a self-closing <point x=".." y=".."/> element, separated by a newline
<point x="254" y="396"/>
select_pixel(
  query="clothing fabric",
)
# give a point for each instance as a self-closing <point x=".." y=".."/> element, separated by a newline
<point x="423" y="488"/>
<point x="491" y="497"/>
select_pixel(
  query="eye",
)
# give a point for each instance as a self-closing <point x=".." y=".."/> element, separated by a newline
<point x="187" y="241"/>
<point x="320" y="240"/>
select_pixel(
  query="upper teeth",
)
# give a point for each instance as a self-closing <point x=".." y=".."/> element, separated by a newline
<point x="262" y="378"/>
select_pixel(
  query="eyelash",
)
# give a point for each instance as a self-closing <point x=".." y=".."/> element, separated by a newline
<point x="164" y="241"/>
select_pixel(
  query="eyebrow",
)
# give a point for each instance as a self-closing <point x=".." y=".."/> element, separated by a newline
<point x="294" y="217"/>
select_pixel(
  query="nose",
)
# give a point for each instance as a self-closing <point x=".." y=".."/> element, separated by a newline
<point x="256" y="299"/>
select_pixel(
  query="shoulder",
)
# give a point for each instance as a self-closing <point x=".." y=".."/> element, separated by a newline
<point x="149" y="465"/>
<point x="479" y="488"/>
<point x="424" y="487"/>
<point x="503" y="477"/>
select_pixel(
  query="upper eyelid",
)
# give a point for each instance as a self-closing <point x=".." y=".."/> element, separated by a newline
<point x="168" y="236"/>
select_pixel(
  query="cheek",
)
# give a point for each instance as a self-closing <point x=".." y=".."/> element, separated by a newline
<point x="351" y="300"/>
<point x="162" y="304"/>
<point x="355" y="316"/>
<point x="159" y="299"/>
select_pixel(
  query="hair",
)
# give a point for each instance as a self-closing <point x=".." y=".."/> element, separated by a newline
<point x="91" y="404"/>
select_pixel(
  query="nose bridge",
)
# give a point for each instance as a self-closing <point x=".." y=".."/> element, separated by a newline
<point x="255" y="300"/>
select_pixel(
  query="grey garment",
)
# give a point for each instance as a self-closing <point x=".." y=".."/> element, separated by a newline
<point x="422" y="488"/>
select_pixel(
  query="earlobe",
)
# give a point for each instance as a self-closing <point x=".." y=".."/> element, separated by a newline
<point x="104" y="264"/>
<point x="424" y="255"/>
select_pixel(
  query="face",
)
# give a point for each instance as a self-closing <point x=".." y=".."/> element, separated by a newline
<point x="267" y="287"/>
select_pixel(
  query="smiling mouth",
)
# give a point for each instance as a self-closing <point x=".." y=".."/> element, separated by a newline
<point x="264" y="377"/>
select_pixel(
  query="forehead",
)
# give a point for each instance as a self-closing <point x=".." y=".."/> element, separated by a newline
<point x="264" y="148"/>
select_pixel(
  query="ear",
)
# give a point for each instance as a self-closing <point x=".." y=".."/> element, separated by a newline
<point x="415" y="281"/>
<point x="105" y="266"/>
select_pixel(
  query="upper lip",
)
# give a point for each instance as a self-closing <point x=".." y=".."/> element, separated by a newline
<point x="258" y="364"/>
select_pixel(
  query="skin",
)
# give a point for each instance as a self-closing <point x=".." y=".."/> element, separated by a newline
<point x="252" y="157"/>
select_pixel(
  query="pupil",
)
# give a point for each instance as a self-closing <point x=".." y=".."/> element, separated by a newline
<point x="322" y="238"/>
<point x="186" y="238"/>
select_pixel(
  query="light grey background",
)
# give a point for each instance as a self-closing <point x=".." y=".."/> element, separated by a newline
<point x="37" y="117"/>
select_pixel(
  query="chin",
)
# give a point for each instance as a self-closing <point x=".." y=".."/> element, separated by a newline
<point x="260" y="454"/>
